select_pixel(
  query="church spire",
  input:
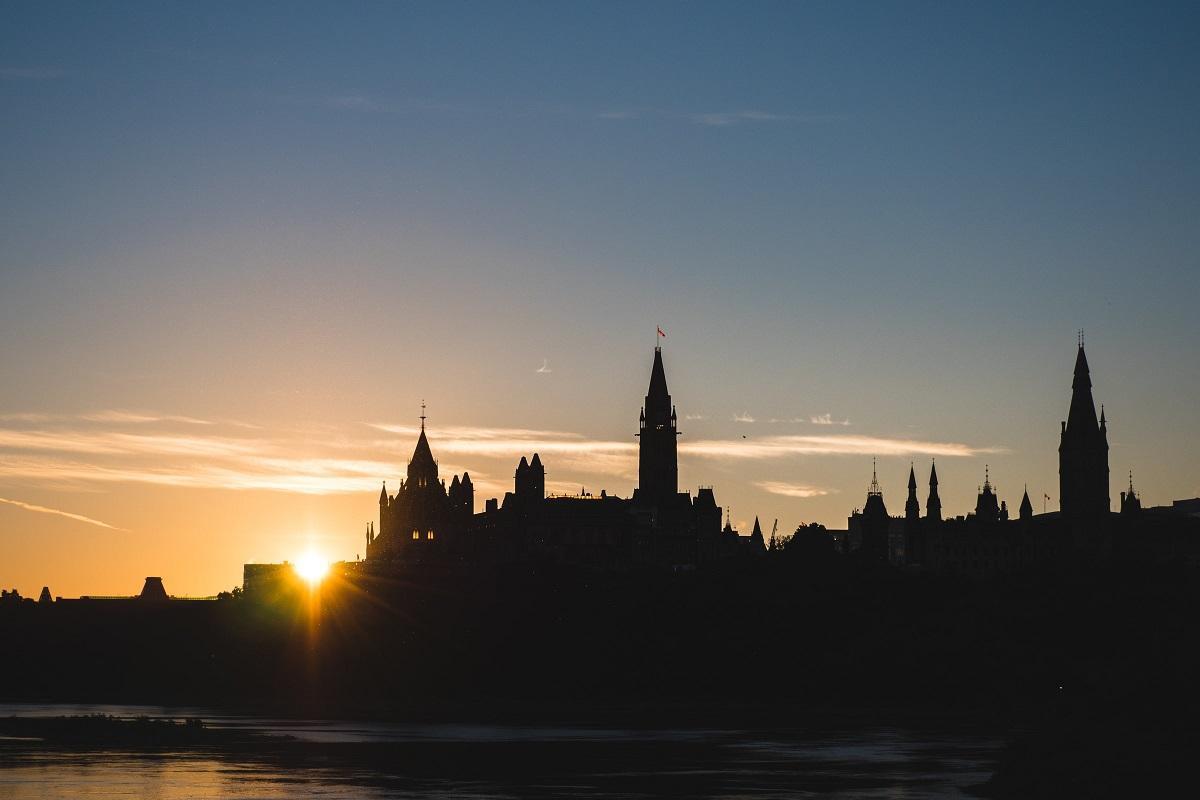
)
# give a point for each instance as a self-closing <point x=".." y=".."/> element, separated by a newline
<point x="1026" y="511"/>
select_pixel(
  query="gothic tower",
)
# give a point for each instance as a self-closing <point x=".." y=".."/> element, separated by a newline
<point x="933" y="506"/>
<point x="658" y="459"/>
<point x="912" y="506"/>
<point x="1083" y="450"/>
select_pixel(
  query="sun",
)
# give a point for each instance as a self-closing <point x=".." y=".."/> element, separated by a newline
<point x="311" y="567"/>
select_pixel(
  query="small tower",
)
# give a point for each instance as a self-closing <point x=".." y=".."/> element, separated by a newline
<point x="757" y="543"/>
<point x="987" y="508"/>
<point x="875" y="522"/>
<point x="933" y="506"/>
<point x="1131" y="504"/>
<point x="912" y="506"/>
<point x="1026" y="510"/>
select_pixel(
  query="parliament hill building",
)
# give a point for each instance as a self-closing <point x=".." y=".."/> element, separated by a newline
<point x="992" y="540"/>
<point x="427" y="521"/>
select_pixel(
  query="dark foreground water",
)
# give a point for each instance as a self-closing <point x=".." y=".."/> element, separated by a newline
<point x="394" y="760"/>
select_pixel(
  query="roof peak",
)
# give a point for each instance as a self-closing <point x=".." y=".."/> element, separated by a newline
<point x="658" y="377"/>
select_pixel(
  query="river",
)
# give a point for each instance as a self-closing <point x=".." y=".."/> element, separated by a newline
<point x="347" y="759"/>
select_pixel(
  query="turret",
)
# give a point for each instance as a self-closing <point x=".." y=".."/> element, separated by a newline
<point x="933" y="506"/>
<point x="912" y="507"/>
<point x="422" y="468"/>
<point x="1026" y="510"/>
<point x="987" y="509"/>
<point x="1131" y="504"/>
<point x="875" y="523"/>
<point x="757" y="543"/>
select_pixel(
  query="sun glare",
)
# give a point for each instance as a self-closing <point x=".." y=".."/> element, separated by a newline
<point x="311" y="567"/>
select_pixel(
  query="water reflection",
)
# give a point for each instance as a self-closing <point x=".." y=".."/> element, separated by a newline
<point x="386" y="760"/>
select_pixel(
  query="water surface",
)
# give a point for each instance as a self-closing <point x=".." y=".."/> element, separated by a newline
<point x="352" y="759"/>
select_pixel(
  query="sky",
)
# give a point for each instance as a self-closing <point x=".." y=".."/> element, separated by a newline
<point x="241" y="243"/>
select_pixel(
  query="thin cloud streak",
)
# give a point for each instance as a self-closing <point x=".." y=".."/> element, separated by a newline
<point x="827" y="419"/>
<point x="793" y="489"/>
<point x="334" y="460"/>
<point x="782" y="446"/>
<point x="60" y="513"/>
<point x="133" y="417"/>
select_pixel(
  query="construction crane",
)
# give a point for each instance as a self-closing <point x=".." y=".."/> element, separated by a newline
<point x="774" y="528"/>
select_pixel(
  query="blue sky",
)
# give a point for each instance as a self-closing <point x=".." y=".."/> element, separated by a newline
<point x="306" y="218"/>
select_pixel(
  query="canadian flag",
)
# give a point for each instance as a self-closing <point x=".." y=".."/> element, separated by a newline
<point x="660" y="332"/>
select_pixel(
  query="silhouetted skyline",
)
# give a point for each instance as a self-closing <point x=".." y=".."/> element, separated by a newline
<point x="239" y="250"/>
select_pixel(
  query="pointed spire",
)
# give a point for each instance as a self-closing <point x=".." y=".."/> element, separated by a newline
<point x="422" y="465"/>
<point x="874" y="488"/>
<point x="912" y="506"/>
<point x="757" y="528"/>
<point x="383" y="496"/>
<point x="658" y="399"/>
<point x="466" y="481"/>
<point x="1026" y="510"/>
<point x="537" y="461"/>
<point x="933" y="506"/>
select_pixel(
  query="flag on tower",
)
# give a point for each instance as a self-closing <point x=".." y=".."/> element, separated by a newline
<point x="660" y="332"/>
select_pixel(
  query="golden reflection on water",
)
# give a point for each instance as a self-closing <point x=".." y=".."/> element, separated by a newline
<point x="114" y="776"/>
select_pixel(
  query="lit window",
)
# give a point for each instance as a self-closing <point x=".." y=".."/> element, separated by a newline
<point x="415" y="534"/>
<point x="429" y="535"/>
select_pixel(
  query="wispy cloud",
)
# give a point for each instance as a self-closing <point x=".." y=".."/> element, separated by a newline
<point x="769" y="447"/>
<point x="174" y="450"/>
<point x="60" y="513"/>
<point x="743" y="417"/>
<point x="133" y="417"/>
<point x="725" y="119"/>
<point x="362" y="101"/>
<point x="693" y="417"/>
<point x="827" y="419"/>
<point x="31" y="73"/>
<point x="793" y="489"/>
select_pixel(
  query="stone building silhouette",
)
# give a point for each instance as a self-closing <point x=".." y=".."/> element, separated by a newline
<point x="426" y="521"/>
<point x="986" y="540"/>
